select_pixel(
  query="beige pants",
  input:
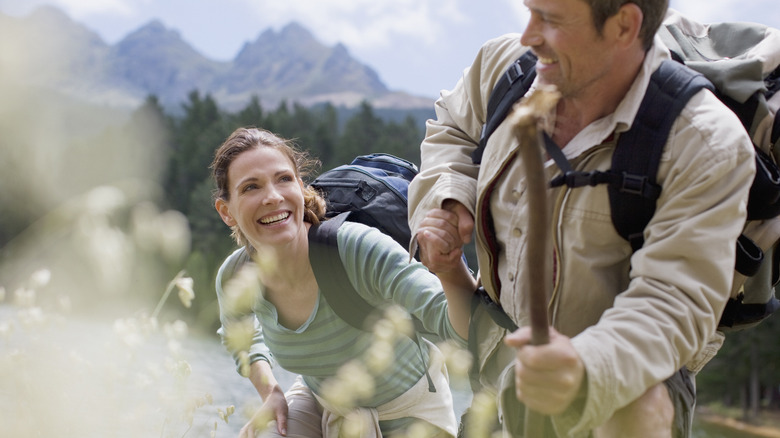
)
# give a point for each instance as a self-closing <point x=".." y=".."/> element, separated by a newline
<point x="304" y="415"/>
<point x="649" y="416"/>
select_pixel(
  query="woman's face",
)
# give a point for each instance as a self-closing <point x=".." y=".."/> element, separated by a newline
<point x="266" y="198"/>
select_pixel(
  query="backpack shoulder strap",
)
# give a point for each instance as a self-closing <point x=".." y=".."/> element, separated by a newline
<point x="638" y="151"/>
<point x="334" y="283"/>
<point x="332" y="277"/>
<point x="512" y="85"/>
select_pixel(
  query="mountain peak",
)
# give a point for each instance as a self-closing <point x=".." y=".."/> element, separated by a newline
<point x="155" y="29"/>
<point x="285" y="65"/>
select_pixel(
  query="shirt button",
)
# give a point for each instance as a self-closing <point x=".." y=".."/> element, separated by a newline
<point x="511" y="277"/>
<point x="517" y="232"/>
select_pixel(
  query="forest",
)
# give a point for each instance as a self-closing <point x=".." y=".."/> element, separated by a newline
<point x="743" y="378"/>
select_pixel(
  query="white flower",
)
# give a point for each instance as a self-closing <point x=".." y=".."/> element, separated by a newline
<point x="186" y="292"/>
<point x="40" y="278"/>
<point x="24" y="297"/>
<point x="6" y="329"/>
<point x="176" y="330"/>
<point x="104" y="200"/>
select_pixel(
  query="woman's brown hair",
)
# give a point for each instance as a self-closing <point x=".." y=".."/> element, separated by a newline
<point x="243" y="139"/>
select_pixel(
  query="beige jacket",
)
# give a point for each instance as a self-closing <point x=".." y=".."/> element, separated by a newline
<point x="634" y="319"/>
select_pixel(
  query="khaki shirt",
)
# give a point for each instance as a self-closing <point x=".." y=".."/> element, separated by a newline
<point x="635" y="318"/>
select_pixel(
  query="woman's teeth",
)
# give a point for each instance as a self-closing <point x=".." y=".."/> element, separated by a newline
<point x="276" y="218"/>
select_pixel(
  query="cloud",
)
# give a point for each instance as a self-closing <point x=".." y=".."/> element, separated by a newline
<point x="361" y="24"/>
<point x="80" y="9"/>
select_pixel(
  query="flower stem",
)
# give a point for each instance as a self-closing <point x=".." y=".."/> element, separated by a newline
<point x="168" y="291"/>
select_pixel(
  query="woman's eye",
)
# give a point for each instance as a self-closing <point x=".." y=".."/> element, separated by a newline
<point x="248" y="187"/>
<point x="286" y="178"/>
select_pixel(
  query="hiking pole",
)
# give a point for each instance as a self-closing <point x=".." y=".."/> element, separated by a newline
<point x="526" y="117"/>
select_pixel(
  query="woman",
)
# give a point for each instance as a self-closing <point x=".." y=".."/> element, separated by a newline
<point x="262" y="197"/>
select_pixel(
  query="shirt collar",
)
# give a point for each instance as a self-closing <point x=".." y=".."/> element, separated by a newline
<point x="621" y="119"/>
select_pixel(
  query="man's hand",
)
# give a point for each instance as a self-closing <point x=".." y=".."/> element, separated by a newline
<point x="274" y="408"/>
<point x="547" y="377"/>
<point x="442" y="235"/>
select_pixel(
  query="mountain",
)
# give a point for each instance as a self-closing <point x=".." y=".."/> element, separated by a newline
<point x="47" y="49"/>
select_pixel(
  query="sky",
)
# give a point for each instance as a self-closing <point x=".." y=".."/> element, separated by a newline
<point x="416" y="46"/>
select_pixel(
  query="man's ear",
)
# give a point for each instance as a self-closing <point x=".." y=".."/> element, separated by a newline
<point x="222" y="208"/>
<point x="627" y="23"/>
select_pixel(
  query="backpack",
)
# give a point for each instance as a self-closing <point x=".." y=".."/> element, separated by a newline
<point x="373" y="190"/>
<point x="740" y="63"/>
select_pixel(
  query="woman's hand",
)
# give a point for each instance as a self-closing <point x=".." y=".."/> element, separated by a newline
<point x="441" y="237"/>
<point x="274" y="408"/>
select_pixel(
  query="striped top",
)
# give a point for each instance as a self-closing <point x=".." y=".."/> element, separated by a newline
<point x="379" y="269"/>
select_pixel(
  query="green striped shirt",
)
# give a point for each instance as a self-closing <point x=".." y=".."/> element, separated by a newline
<point x="379" y="269"/>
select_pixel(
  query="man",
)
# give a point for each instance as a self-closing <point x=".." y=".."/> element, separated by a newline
<point x="628" y="330"/>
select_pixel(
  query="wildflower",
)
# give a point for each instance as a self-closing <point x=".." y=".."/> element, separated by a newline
<point x="420" y="429"/>
<point x="225" y="415"/>
<point x="174" y="229"/>
<point x="241" y="291"/>
<point x="128" y="331"/>
<point x="168" y="232"/>
<point x="482" y="414"/>
<point x="176" y="330"/>
<point x="239" y="335"/>
<point x="351" y="383"/>
<point x="355" y="426"/>
<point x="32" y="316"/>
<point x="186" y="293"/>
<point x="243" y="363"/>
<point x="174" y="347"/>
<point x="24" y="297"/>
<point x="104" y="200"/>
<point x="179" y="368"/>
<point x="384" y="330"/>
<point x="379" y="356"/>
<point x="260" y="421"/>
<point x="400" y="319"/>
<point x="6" y="329"/>
<point x="40" y="278"/>
<point x="458" y="360"/>
<point x="358" y="378"/>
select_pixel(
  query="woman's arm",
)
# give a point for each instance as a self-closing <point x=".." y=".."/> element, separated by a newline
<point x="441" y="249"/>
<point x="274" y="402"/>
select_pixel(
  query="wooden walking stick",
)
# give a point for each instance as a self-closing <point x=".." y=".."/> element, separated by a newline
<point x="525" y="117"/>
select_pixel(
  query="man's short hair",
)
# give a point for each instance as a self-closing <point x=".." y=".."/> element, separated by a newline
<point x="653" y="12"/>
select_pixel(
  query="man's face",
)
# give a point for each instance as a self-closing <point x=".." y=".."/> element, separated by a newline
<point x="572" y="54"/>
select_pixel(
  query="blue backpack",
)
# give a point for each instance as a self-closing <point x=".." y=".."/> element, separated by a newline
<point x="372" y="190"/>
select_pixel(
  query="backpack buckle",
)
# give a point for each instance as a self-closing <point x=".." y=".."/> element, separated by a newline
<point x="574" y="179"/>
<point x="633" y="184"/>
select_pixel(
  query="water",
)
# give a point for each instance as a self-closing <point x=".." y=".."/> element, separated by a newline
<point x="64" y="377"/>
